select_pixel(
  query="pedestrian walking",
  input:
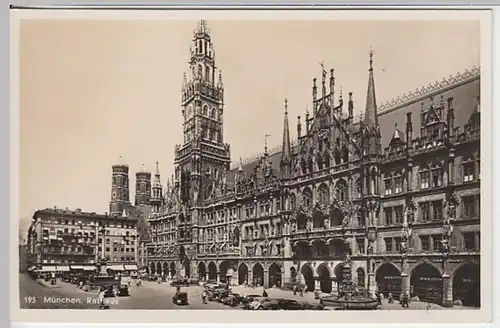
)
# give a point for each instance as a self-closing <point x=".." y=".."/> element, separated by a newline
<point x="100" y="298"/>
<point x="302" y="291"/>
<point x="204" y="296"/>
<point x="405" y="301"/>
<point x="390" y="298"/>
<point x="379" y="298"/>
<point x="294" y="289"/>
<point x="264" y="293"/>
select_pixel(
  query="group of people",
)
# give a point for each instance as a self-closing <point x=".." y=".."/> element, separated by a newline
<point x="404" y="301"/>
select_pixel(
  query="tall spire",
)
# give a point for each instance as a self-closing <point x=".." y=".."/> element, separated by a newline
<point x="157" y="181"/>
<point x="371" y="119"/>
<point x="286" y="151"/>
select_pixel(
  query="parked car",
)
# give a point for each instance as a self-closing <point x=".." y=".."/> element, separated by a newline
<point x="262" y="303"/>
<point x="180" y="298"/>
<point x="248" y="299"/>
<point x="287" y="304"/>
<point x="122" y="290"/>
<point x="311" y="306"/>
<point x="109" y="291"/>
<point x="233" y="299"/>
<point x="215" y="294"/>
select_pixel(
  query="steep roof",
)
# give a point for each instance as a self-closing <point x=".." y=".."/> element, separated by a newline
<point x="464" y="88"/>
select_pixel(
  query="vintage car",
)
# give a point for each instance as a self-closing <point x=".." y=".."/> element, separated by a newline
<point x="233" y="299"/>
<point x="122" y="290"/>
<point x="287" y="304"/>
<point x="215" y="294"/>
<point x="180" y="298"/>
<point x="312" y="306"/>
<point x="262" y="303"/>
<point x="246" y="300"/>
<point x="109" y="292"/>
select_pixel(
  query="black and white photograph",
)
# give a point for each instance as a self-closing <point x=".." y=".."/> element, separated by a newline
<point x="257" y="166"/>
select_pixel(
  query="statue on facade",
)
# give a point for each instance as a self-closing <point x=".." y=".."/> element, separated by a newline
<point x="236" y="237"/>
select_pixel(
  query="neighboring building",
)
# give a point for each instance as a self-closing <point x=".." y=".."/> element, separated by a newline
<point x="399" y="188"/>
<point x="63" y="239"/>
<point x="23" y="258"/>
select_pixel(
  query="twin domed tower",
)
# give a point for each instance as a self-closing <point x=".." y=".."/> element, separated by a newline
<point x="145" y="193"/>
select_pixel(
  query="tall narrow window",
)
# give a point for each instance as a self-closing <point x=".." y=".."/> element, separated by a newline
<point x="388" y="184"/>
<point x="437" y="210"/>
<point x="424" y="178"/>
<point x="425" y="211"/>
<point x="437" y="176"/>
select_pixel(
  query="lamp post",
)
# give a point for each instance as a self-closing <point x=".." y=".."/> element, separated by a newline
<point x="451" y="214"/>
<point x="103" y="261"/>
<point x="405" y="237"/>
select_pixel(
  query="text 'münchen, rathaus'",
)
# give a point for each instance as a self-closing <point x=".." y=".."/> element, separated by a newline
<point x="401" y="185"/>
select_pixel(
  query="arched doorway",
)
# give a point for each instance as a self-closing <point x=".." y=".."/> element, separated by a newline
<point x="153" y="268"/>
<point x="308" y="275"/>
<point x="338" y="273"/>
<point x="325" y="280"/>
<point x="172" y="269"/>
<point x="274" y="275"/>
<point x="165" y="268"/>
<point x="223" y="267"/>
<point x="293" y="274"/>
<point x="212" y="271"/>
<point x="258" y="274"/>
<point x="426" y="283"/>
<point x="202" y="271"/>
<point x="361" y="277"/>
<point x="466" y="285"/>
<point x="158" y="268"/>
<point x="242" y="274"/>
<point x="187" y="268"/>
<point x="388" y="280"/>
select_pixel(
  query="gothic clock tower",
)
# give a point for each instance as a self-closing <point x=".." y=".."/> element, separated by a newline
<point x="202" y="161"/>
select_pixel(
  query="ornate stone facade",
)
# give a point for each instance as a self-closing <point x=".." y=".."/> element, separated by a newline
<point x="404" y="204"/>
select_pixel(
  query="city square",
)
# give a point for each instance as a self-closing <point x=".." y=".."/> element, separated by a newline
<point x="365" y="207"/>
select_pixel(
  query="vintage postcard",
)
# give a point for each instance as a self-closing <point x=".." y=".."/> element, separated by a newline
<point x="247" y="166"/>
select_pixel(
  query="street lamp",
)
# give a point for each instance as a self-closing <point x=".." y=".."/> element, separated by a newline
<point x="102" y="261"/>
<point x="405" y="237"/>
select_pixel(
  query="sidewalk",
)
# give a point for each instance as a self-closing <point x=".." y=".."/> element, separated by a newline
<point x="275" y="293"/>
<point x="47" y="283"/>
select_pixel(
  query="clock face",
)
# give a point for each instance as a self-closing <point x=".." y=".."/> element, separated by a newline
<point x="113" y="195"/>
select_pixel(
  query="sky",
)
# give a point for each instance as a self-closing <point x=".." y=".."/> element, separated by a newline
<point x="94" y="90"/>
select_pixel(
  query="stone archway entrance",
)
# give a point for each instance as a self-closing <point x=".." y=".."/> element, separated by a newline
<point x="202" y="271"/>
<point x="165" y="268"/>
<point x="274" y="275"/>
<point x="223" y="269"/>
<point x="242" y="274"/>
<point x="467" y="285"/>
<point x="293" y="274"/>
<point x="325" y="280"/>
<point x="308" y="275"/>
<point x="388" y="280"/>
<point x="258" y="274"/>
<point x="338" y="275"/>
<point x="187" y="268"/>
<point x="158" y="268"/>
<point x="172" y="269"/>
<point x="212" y="271"/>
<point x="152" y="268"/>
<point x="426" y="283"/>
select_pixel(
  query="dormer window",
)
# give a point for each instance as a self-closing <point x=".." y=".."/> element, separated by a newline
<point x="387" y="184"/>
<point x="424" y="177"/>
<point x="468" y="170"/>
<point x="437" y="176"/>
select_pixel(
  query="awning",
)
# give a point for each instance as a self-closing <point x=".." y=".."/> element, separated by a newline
<point x="64" y="268"/>
<point x="76" y="267"/>
<point x="131" y="267"/>
<point x="116" y="267"/>
<point x="88" y="268"/>
<point x="223" y="244"/>
<point x="48" y="269"/>
<point x="159" y="250"/>
<point x="211" y="246"/>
